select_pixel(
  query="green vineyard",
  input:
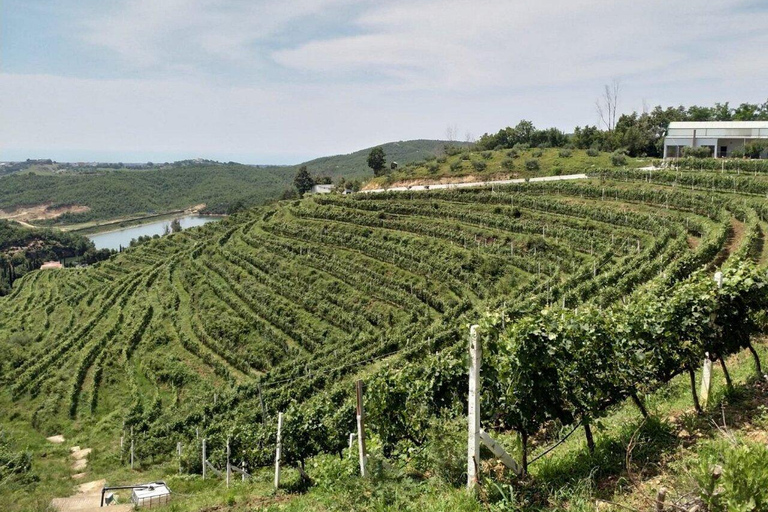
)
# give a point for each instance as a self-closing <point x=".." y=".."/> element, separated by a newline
<point x="588" y="292"/>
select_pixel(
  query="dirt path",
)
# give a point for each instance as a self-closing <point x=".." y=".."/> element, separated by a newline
<point x="469" y="184"/>
<point x="87" y="499"/>
<point x="88" y="496"/>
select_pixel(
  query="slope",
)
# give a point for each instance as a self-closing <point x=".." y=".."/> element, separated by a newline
<point x="212" y="331"/>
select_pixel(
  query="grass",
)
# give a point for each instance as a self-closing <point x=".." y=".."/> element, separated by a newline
<point x="673" y="449"/>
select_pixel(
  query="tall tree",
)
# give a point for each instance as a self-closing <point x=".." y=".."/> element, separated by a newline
<point x="377" y="161"/>
<point x="608" y="105"/>
<point x="303" y="181"/>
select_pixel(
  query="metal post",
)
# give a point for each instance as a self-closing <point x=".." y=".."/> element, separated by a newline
<point x="131" y="447"/>
<point x="278" y="450"/>
<point x="473" y="446"/>
<point x="361" y="429"/>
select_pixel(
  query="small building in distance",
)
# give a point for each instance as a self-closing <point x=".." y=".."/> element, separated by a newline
<point x="721" y="137"/>
<point x="321" y="189"/>
<point x="51" y="264"/>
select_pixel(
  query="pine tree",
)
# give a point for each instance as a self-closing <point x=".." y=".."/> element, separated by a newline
<point x="303" y="181"/>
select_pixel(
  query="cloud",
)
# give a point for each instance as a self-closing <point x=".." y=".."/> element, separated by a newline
<point x="487" y="44"/>
<point x="282" y="80"/>
<point x="171" y="33"/>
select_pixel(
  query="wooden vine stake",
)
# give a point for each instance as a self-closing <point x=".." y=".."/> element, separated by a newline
<point x="278" y="450"/>
<point x="361" y="430"/>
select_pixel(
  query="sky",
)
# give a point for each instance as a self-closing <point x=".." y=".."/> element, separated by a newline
<point x="283" y="81"/>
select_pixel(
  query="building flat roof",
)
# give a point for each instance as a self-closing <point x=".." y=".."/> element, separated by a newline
<point x="718" y="124"/>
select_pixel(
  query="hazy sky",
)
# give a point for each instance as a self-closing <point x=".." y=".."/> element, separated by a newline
<point x="281" y="81"/>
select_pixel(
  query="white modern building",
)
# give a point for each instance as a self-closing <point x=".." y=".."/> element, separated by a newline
<point x="721" y="137"/>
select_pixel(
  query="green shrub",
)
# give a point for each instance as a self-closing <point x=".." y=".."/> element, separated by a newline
<point x="755" y="149"/>
<point x="513" y="153"/>
<point x="457" y="166"/>
<point x="743" y="482"/>
<point x="537" y="153"/>
<point x="520" y="147"/>
<point x="487" y="154"/>
<point x="465" y="156"/>
<point x="618" y="159"/>
<point x="557" y="170"/>
<point x="565" y="153"/>
<point x="442" y="160"/>
<point x="430" y="158"/>
<point x="593" y="152"/>
<point x="433" y="168"/>
<point x="508" y="164"/>
<point x="702" y="152"/>
<point x="479" y="165"/>
<point x="532" y="165"/>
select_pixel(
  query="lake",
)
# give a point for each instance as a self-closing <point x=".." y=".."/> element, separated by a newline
<point x="114" y="239"/>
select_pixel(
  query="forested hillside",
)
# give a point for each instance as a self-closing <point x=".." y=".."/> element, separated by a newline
<point x="110" y="192"/>
<point x="23" y="250"/>
<point x="213" y="331"/>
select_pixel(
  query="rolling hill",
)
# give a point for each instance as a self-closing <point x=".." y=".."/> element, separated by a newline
<point x="281" y="308"/>
<point x="102" y="194"/>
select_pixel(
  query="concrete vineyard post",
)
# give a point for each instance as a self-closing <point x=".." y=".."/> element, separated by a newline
<point x="473" y="420"/>
<point x="361" y="429"/>
<point x="131" y="447"/>
<point x="706" y="374"/>
<point x="278" y="449"/>
<point x="229" y="470"/>
<point x="204" y="460"/>
<point x="178" y="452"/>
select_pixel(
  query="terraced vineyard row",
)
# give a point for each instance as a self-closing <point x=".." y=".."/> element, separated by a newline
<point x="284" y="305"/>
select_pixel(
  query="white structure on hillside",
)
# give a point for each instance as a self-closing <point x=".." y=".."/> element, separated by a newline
<point x="721" y="137"/>
<point x="151" y="495"/>
<point x="321" y="189"/>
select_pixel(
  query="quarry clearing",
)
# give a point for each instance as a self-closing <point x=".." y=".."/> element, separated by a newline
<point x="26" y="214"/>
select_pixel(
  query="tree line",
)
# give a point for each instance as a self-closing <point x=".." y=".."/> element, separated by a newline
<point x="639" y="134"/>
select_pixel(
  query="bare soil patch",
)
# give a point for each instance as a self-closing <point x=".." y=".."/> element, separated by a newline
<point x="40" y="212"/>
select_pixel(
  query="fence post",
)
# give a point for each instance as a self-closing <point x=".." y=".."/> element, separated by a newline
<point x="178" y="451"/>
<point x="229" y="470"/>
<point x="278" y="449"/>
<point x="131" y="447"/>
<point x="706" y="374"/>
<point x="473" y="447"/>
<point x="204" y="459"/>
<point x="361" y="429"/>
<point x="242" y="467"/>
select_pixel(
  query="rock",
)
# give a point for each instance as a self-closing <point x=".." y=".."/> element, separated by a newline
<point x="57" y="439"/>
<point x="81" y="454"/>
